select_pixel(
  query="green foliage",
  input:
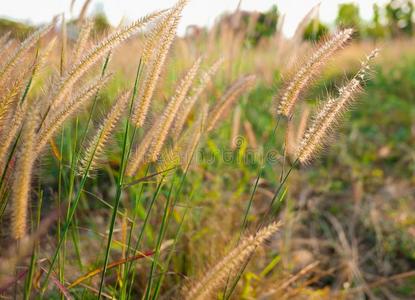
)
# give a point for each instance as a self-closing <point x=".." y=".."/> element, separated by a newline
<point x="348" y="16"/>
<point x="376" y="29"/>
<point x="265" y="25"/>
<point x="17" y="29"/>
<point x="101" y="23"/>
<point x="399" y="17"/>
<point x="315" y="30"/>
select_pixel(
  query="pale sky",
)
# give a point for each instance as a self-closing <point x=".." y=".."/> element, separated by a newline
<point x="200" y="12"/>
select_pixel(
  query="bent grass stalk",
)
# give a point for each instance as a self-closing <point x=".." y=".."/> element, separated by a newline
<point x="71" y="209"/>
<point x="329" y="113"/>
<point x="308" y="148"/>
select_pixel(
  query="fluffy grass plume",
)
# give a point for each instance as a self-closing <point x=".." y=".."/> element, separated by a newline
<point x="149" y="148"/>
<point x="9" y="96"/>
<point x="190" y="142"/>
<point x="233" y="93"/>
<point x="112" y="41"/>
<point x="82" y="41"/>
<point x="95" y="148"/>
<point x="165" y="122"/>
<point x="191" y="100"/>
<point x="8" y="136"/>
<point x="156" y="35"/>
<point x="20" y="192"/>
<point x="164" y="38"/>
<point x="4" y="41"/>
<point x="331" y="112"/>
<point x="139" y="154"/>
<point x="8" y="100"/>
<point x="18" y="54"/>
<point x="307" y="71"/>
<point x="51" y="127"/>
<point x="217" y="276"/>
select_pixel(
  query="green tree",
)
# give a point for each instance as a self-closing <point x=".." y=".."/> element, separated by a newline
<point x="265" y="25"/>
<point x="101" y="23"/>
<point x="315" y="30"/>
<point x="399" y="14"/>
<point x="348" y="16"/>
<point x="17" y="29"/>
<point x="376" y="29"/>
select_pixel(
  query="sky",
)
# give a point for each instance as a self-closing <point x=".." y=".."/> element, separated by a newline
<point x="199" y="12"/>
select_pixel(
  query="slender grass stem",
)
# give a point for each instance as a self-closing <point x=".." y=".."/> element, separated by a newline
<point x="161" y="234"/>
<point x="124" y="157"/>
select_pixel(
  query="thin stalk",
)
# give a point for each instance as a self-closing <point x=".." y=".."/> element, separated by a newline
<point x="248" y="208"/>
<point x="176" y="238"/>
<point x="161" y="278"/>
<point x="244" y="223"/>
<point x="120" y="181"/>
<point x="61" y="257"/>
<point x="32" y="267"/>
<point x="161" y="234"/>
<point x="123" y="292"/>
<point x="70" y="216"/>
<point x="146" y="219"/>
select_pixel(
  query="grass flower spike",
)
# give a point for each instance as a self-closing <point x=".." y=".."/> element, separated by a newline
<point x="95" y="148"/>
<point x="233" y="93"/>
<point x="230" y="263"/>
<point x="22" y="179"/>
<point x="305" y="74"/>
<point x="171" y="111"/>
<point x="329" y="115"/>
<point x="164" y="35"/>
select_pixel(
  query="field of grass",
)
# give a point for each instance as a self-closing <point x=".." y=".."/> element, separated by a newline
<point x="143" y="165"/>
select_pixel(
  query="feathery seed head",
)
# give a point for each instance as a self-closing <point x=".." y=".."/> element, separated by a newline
<point x="191" y="100"/>
<point x="329" y="115"/>
<point x="171" y="111"/>
<point x="82" y="40"/>
<point x="20" y="194"/>
<point x="191" y="140"/>
<point x="102" y="48"/>
<point x="139" y="154"/>
<point x="95" y="149"/>
<point x="304" y="75"/>
<point x="54" y="123"/>
<point x="166" y="37"/>
<point x="23" y="48"/>
<point x="232" y="94"/>
<point x="229" y="264"/>
<point x="152" y="143"/>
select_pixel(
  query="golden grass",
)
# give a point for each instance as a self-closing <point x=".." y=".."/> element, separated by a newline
<point x="29" y="124"/>
<point x="307" y="71"/>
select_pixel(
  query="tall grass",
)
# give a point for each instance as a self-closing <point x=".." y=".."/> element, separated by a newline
<point x="132" y="190"/>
